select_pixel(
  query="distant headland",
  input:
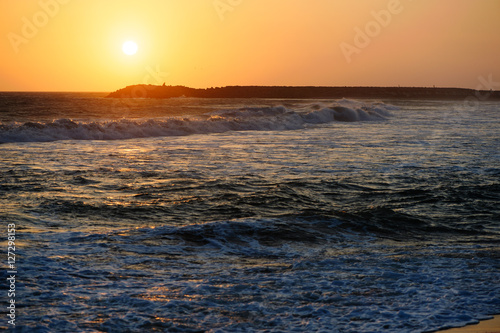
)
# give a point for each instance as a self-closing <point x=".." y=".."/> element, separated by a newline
<point x="153" y="91"/>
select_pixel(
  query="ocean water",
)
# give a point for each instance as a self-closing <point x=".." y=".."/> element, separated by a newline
<point x="228" y="215"/>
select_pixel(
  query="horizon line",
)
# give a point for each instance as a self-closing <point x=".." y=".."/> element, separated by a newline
<point x="297" y="86"/>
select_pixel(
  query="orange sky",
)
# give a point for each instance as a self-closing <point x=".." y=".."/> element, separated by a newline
<point x="75" y="45"/>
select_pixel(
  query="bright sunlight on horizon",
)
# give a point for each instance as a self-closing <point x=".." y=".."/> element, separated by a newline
<point x="76" y="45"/>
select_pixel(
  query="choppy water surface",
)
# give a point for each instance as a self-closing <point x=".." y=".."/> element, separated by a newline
<point x="251" y="215"/>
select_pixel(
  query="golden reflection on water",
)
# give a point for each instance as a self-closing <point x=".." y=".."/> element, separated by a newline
<point x="166" y="294"/>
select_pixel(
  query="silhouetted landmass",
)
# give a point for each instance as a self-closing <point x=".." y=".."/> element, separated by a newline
<point x="152" y="91"/>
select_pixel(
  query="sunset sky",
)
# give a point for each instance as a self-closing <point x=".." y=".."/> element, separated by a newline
<point x="76" y="45"/>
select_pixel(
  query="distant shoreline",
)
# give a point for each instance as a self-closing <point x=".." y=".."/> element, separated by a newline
<point x="305" y="92"/>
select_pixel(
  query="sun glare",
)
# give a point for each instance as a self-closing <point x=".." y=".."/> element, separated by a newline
<point x="129" y="47"/>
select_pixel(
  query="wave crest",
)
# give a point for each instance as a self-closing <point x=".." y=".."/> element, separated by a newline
<point x="242" y="119"/>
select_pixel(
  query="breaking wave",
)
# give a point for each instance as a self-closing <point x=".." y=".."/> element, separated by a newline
<point x="276" y="118"/>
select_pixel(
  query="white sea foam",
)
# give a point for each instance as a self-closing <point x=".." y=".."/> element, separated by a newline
<point x="241" y="119"/>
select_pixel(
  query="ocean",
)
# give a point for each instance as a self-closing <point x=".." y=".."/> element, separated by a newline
<point x="248" y="215"/>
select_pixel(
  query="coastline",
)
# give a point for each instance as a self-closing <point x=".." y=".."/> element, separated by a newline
<point x="305" y="92"/>
<point x="484" y="326"/>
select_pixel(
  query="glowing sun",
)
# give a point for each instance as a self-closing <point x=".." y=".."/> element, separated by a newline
<point x="130" y="47"/>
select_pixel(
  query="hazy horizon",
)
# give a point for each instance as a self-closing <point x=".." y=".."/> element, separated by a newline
<point x="76" y="46"/>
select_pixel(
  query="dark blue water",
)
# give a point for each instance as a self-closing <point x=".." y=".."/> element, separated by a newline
<point x="199" y="215"/>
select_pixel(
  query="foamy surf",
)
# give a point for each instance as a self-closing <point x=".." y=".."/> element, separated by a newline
<point x="276" y="118"/>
